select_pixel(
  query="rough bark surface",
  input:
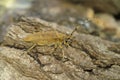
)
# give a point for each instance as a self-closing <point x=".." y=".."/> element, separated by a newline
<point x="87" y="58"/>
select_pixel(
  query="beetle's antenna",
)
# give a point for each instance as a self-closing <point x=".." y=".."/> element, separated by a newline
<point x="73" y="32"/>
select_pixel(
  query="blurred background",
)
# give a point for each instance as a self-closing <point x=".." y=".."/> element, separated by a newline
<point x="98" y="17"/>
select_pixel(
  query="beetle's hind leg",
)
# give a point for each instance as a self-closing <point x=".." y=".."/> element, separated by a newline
<point x="28" y="50"/>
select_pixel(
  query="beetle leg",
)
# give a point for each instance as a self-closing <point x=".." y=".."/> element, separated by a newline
<point x="30" y="48"/>
<point x="61" y="47"/>
<point x="63" y="55"/>
<point x="55" y="48"/>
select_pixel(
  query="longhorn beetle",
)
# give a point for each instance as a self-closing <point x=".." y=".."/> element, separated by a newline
<point x="48" y="38"/>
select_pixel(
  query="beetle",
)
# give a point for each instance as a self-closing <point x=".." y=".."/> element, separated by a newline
<point x="49" y="38"/>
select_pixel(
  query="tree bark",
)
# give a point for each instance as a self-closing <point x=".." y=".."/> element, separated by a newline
<point x="86" y="58"/>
